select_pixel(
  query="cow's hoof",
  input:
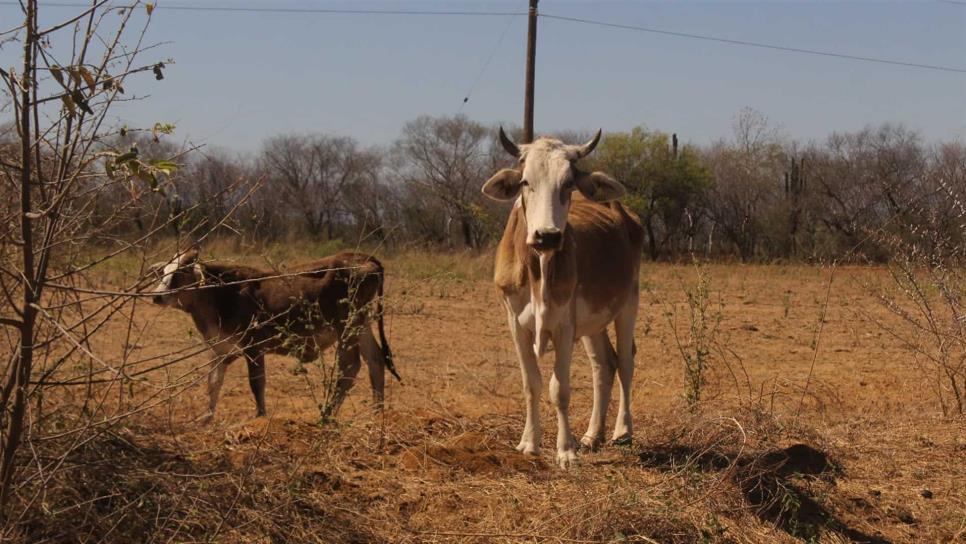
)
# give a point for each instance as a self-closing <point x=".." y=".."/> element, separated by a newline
<point x="260" y="413"/>
<point x="622" y="440"/>
<point x="205" y="418"/>
<point x="591" y="443"/>
<point x="566" y="458"/>
<point x="528" y="448"/>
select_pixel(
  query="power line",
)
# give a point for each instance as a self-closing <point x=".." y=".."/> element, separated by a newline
<point x="546" y="15"/>
<point x="164" y="7"/>
<point x="479" y="76"/>
<point x="756" y="44"/>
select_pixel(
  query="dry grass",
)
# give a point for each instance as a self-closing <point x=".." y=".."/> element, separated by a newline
<point x="760" y="460"/>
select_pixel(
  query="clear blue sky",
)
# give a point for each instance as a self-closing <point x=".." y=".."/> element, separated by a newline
<point x="240" y="77"/>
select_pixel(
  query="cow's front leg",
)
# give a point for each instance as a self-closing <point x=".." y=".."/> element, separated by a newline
<point x="532" y="383"/>
<point x="216" y="377"/>
<point x="256" y="380"/>
<point x="563" y="343"/>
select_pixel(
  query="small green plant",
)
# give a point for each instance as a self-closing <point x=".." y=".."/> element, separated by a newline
<point x="704" y="318"/>
<point x="713" y="531"/>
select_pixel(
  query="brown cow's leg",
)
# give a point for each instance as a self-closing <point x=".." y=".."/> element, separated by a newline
<point x="377" y="366"/>
<point x="256" y="380"/>
<point x="347" y="359"/>
<point x="624" y="326"/>
<point x="216" y="376"/>
<point x="603" y="362"/>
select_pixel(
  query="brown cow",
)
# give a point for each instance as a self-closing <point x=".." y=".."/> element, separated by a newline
<point x="568" y="266"/>
<point x="247" y="311"/>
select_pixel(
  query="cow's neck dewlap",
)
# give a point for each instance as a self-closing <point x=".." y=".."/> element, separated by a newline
<point x="541" y="306"/>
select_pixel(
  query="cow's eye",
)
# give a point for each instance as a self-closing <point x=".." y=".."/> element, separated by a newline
<point x="524" y="183"/>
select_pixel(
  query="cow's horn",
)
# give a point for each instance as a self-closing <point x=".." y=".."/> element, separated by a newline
<point x="588" y="147"/>
<point x="508" y="144"/>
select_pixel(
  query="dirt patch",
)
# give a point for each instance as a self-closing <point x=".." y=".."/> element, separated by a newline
<point x="471" y="453"/>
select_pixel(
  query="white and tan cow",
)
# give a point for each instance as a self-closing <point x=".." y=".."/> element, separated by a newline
<point x="567" y="266"/>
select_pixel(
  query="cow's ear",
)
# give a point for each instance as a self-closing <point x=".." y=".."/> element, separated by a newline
<point x="504" y="185"/>
<point x="599" y="187"/>
<point x="190" y="257"/>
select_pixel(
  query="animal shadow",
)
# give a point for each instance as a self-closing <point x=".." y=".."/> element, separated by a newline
<point x="768" y="482"/>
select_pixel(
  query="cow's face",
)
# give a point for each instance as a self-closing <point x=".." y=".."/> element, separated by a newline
<point x="544" y="182"/>
<point x="183" y="271"/>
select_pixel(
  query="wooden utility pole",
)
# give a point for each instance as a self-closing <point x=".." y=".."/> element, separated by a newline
<point x="531" y="58"/>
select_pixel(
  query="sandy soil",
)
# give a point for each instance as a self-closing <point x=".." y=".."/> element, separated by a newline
<point x="843" y="403"/>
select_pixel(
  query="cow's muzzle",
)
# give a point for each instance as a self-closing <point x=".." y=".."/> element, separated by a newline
<point x="547" y="240"/>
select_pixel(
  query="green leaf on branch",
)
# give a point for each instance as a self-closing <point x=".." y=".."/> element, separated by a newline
<point x="127" y="157"/>
<point x="166" y="167"/>
<point x="163" y="128"/>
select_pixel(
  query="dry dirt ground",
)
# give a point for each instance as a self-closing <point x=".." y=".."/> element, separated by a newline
<point x="855" y="450"/>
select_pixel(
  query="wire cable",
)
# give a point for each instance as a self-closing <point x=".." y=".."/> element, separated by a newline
<point x="755" y="44"/>
<point x="607" y="24"/>
<point x="486" y="64"/>
<point x="165" y="7"/>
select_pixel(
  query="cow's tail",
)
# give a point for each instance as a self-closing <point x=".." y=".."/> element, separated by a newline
<point x="386" y="352"/>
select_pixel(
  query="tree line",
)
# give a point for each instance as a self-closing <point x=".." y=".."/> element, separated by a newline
<point x="754" y="195"/>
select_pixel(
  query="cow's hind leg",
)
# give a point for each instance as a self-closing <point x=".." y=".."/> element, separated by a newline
<point x="216" y="377"/>
<point x="376" y="363"/>
<point x="347" y="367"/>
<point x="256" y="380"/>
<point x="626" y="350"/>
<point x="603" y="363"/>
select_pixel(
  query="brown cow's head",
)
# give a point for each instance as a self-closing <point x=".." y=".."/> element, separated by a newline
<point x="181" y="272"/>
<point x="544" y="181"/>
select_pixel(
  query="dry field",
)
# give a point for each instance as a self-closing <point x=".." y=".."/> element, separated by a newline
<point x="855" y="451"/>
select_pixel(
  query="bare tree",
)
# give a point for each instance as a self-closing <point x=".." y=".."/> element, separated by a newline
<point x="445" y="159"/>
<point x="867" y="180"/>
<point x="927" y="293"/>
<point x="216" y="185"/>
<point x="58" y="168"/>
<point x="312" y="173"/>
<point x="368" y="202"/>
<point x="747" y="174"/>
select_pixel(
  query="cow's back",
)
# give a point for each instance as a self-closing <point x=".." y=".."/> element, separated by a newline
<point x="325" y="290"/>
<point x="608" y="242"/>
